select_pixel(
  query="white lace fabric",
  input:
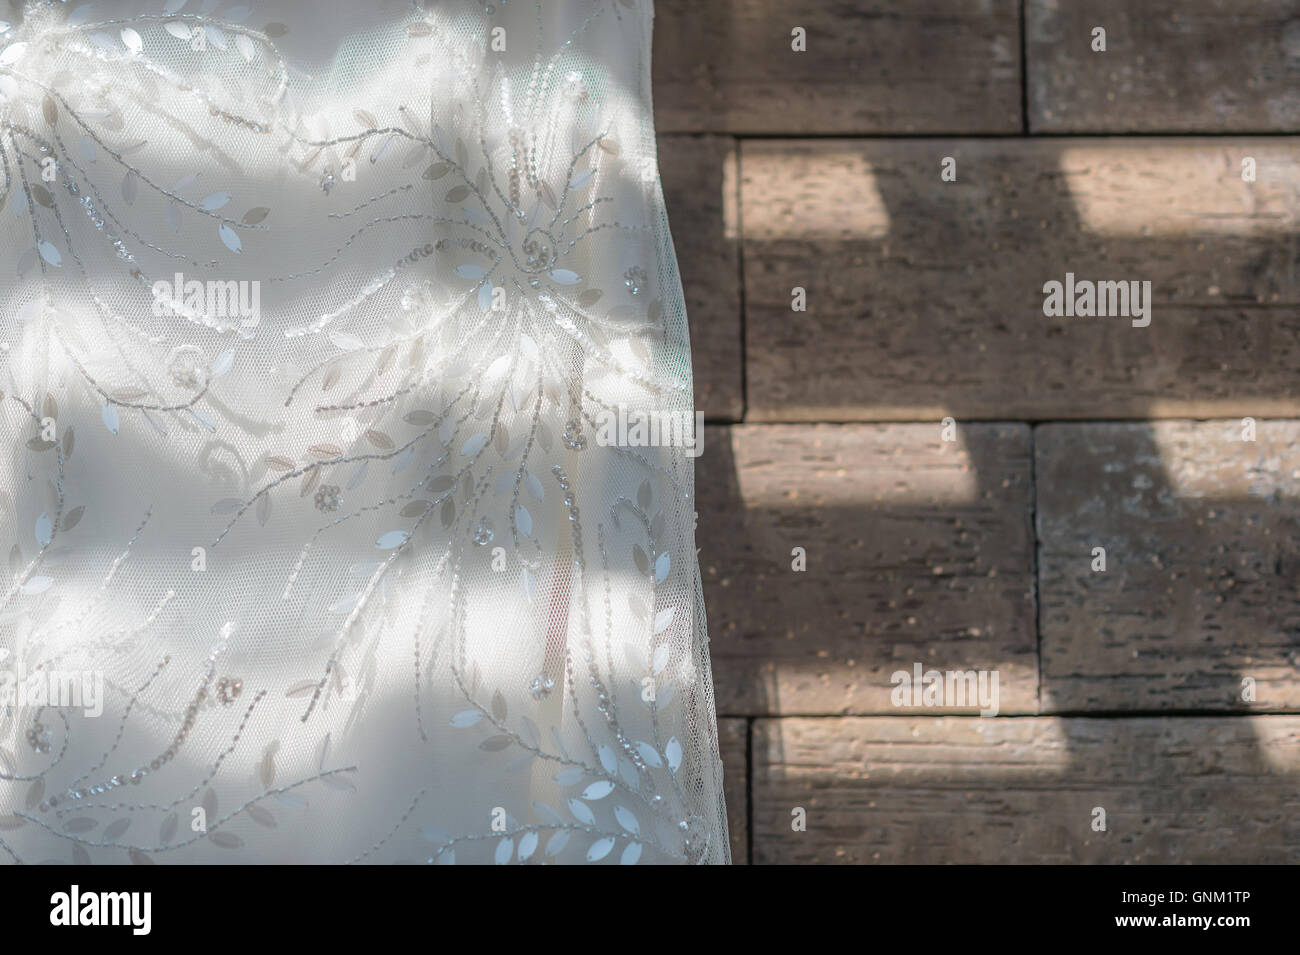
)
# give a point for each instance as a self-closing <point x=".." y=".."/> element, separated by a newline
<point x="309" y="315"/>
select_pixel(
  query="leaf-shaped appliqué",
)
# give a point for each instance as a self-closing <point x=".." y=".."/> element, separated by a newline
<point x="393" y="539"/>
<point x="664" y="619"/>
<point x="600" y="848"/>
<point x="627" y="819"/>
<point x="229" y="238"/>
<point x="582" y="812"/>
<point x="649" y="754"/>
<point x="673" y="753"/>
<point x="598" y="790"/>
<point x="49" y="253"/>
<point x="505" y="851"/>
<point x="556" y="844"/>
<point x="570" y="775"/>
<point x="527" y="846"/>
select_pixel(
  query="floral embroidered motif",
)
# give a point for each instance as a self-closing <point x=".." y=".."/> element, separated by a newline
<point x="301" y="357"/>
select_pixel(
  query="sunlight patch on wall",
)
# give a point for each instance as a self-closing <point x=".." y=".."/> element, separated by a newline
<point x="1179" y="188"/>
<point x="801" y="190"/>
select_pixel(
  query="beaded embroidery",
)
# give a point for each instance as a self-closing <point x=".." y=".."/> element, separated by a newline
<point x="359" y="580"/>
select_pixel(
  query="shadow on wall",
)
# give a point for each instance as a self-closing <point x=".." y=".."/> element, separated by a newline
<point x="925" y="300"/>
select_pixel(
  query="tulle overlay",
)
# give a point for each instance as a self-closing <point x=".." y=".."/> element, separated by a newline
<point x="311" y="316"/>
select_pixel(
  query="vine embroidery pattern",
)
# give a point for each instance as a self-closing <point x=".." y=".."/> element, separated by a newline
<point x="302" y="370"/>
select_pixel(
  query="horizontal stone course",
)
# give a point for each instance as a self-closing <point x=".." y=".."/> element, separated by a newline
<point x="1195" y="790"/>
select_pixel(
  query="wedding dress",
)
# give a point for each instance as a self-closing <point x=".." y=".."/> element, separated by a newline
<point x="311" y="317"/>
